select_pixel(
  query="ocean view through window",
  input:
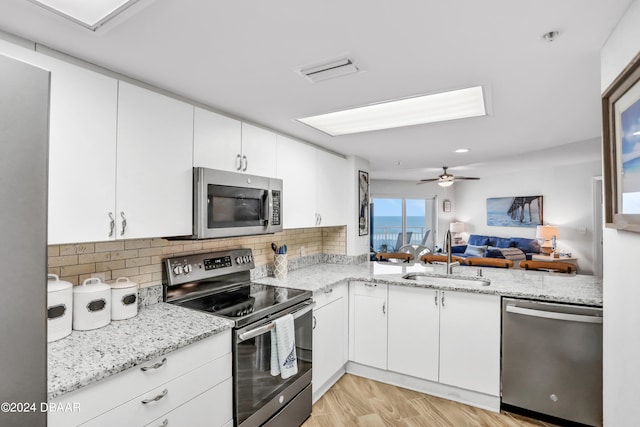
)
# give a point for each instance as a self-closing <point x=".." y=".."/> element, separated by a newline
<point x="397" y="222"/>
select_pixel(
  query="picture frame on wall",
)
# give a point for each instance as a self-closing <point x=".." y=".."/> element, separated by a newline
<point x="621" y="149"/>
<point x="363" y="206"/>
<point x="446" y="206"/>
<point x="515" y="211"/>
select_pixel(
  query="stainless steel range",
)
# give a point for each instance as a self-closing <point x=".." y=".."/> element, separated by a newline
<point x="219" y="283"/>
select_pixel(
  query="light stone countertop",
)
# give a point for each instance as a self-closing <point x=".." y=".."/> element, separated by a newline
<point x="517" y="283"/>
<point x="85" y="357"/>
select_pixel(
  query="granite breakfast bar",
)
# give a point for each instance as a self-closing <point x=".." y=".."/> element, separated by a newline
<point x="516" y="283"/>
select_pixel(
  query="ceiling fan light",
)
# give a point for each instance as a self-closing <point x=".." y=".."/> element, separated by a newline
<point x="446" y="183"/>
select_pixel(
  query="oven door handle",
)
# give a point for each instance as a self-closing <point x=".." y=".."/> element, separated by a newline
<point x="252" y="333"/>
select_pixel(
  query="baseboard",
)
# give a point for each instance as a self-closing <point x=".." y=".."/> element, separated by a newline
<point x="473" y="398"/>
<point x="328" y="384"/>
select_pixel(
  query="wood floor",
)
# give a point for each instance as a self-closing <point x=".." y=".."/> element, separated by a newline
<point x="356" y="401"/>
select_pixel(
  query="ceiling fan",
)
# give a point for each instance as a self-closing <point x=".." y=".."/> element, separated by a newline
<point x="446" y="179"/>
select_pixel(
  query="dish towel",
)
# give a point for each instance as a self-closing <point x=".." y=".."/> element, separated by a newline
<point x="283" y="348"/>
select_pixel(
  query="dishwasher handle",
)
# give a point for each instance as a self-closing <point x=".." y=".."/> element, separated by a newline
<point x="553" y="315"/>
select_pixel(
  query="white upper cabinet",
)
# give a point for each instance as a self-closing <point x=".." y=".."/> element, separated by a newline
<point x="258" y="151"/>
<point x="154" y="174"/>
<point x="297" y="169"/>
<point x="331" y="195"/>
<point x="82" y="154"/>
<point x="217" y="141"/>
<point x="314" y="185"/>
<point x="223" y="143"/>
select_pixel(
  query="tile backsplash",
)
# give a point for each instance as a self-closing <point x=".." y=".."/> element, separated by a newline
<point x="141" y="260"/>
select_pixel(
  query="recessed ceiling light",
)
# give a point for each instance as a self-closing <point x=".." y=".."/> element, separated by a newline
<point x="437" y="107"/>
<point x="461" y="150"/>
<point x="91" y="14"/>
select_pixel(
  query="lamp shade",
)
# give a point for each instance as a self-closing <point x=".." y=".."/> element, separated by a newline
<point x="456" y="227"/>
<point x="546" y="232"/>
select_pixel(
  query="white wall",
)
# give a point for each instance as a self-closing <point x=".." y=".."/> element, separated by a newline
<point x="356" y="245"/>
<point x="567" y="197"/>
<point x="407" y="189"/>
<point x="621" y="286"/>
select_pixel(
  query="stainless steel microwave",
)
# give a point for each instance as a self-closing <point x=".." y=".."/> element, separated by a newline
<point x="227" y="204"/>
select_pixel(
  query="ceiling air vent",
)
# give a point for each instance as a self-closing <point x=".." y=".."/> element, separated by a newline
<point x="329" y="70"/>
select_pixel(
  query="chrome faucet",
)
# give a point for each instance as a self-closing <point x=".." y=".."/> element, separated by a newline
<point x="447" y="247"/>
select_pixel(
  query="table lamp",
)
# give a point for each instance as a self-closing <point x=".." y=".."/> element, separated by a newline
<point x="456" y="228"/>
<point x="546" y="233"/>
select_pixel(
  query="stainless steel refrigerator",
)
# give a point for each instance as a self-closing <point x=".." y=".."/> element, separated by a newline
<point x="24" y="130"/>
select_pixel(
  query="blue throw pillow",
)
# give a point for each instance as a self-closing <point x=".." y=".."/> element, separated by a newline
<point x="475" y="251"/>
<point x="501" y="242"/>
<point x="478" y="240"/>
<point x="493" y="252"/>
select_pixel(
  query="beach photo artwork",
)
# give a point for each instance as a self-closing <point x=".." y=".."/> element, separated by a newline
<point x="630" y="159"/>
<point x="521" y="211"/>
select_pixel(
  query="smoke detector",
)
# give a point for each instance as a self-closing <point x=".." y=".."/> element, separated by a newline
<point x="329" y="70"/>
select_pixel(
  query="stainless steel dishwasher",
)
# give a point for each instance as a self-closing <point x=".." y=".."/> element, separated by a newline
<point x="552" y="359"/>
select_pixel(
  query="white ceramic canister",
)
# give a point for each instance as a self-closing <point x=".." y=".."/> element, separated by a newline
<point x="124" y="299"/>
<point x="91" y="305"/>
<point x="59" y="307"/>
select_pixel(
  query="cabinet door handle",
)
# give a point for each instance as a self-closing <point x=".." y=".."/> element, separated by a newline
<point x="156" y="398"/>
<point x="165" y="423"/>
<point x="328" y="291"/>
<point x="154" y="366"/>
<point x="435" y="298"/>
<point x="370" y="285"/>
<point x="246" y="163"/>
<point x="112" y="224"/>
<point x="315" y="322"/>
<point x="384" y="307"/>
<point x="124" y="224"/>
<point x="442" y="299"/>
<point x="238" y="162"/>
<point x="319" y="219"/>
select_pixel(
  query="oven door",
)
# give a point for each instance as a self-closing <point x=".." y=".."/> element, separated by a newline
<point x="258" y="395"/>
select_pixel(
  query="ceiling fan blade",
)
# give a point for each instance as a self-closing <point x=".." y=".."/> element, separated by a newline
<point x="429" y="180"/>
<point x="461" y="178"/>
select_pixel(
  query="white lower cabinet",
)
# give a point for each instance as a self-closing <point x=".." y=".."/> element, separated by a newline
<point x="368" y="324"/>
<point x="330" y="330"/>
<point x="414" y="332"/>
<point x="470" y="341"/>
<point x="175" y="387"/>
<point x="447" y="337"/>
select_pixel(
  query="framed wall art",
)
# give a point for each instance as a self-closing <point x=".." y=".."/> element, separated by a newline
<point x="363" y="207"/>
<point x="519" y="211"/>
<point x="621" y="149"/>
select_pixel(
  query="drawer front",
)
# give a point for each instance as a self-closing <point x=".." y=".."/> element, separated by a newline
<point x="213" y="408"/>
<point x="167" y="397"/>
<point x="329" y="295"/>
<point x="111" y="392"/>
<point x="370" y="289"/>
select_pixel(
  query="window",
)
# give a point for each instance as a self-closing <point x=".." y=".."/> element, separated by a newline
<point x="399" y="221"/>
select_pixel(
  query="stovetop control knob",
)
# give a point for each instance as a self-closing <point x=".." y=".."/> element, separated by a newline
<point x="238" y="260"/>
<point x="177" y="270"/>
<point x="245" y="259"/>
<point x="187" y="268"/>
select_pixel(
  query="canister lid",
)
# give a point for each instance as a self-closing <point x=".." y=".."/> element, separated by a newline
<point x="92" y="284"/>
<point x="54" y="284"/>
<point x="123" y="283"/>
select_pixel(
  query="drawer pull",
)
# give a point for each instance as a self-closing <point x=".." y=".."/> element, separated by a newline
<point x="155" y="399"/>
<point x="328" y="291"/>
<point x="165" y="423"/>
<point x="371" y="285"/>
<point x="154" y="366"/>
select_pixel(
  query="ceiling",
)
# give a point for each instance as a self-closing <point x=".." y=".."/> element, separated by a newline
<point x="242" y="57"/>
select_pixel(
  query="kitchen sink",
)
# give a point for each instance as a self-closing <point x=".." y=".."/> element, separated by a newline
<point x="446" y="280"/>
